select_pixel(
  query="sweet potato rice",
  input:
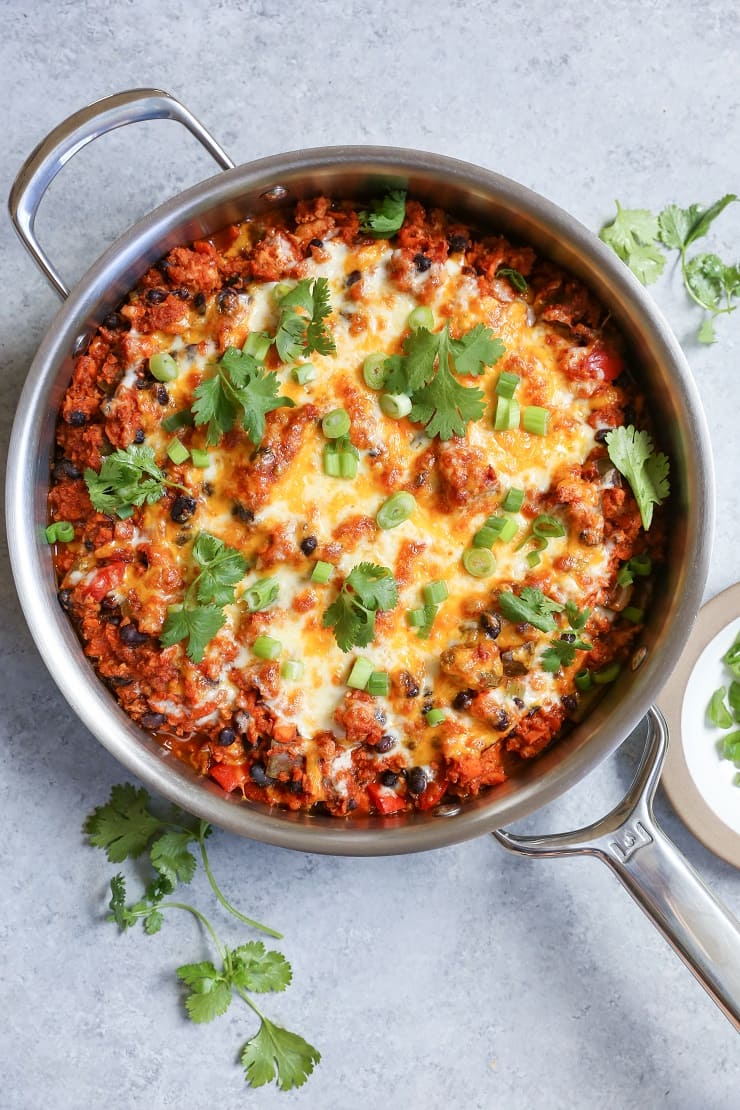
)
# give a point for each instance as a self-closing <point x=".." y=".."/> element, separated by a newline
<point x="347" y="583"/>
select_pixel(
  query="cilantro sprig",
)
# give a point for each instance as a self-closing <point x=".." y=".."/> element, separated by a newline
<point x="126" y="827"/>
<point x="646" y="470"/>
<point x="637" y="237"/>
<point x="367" y="589"/>
<point x="385" y="215"/>
<point x="562" y="653"/>
<point x="241" y="389"/>
<point x="200" y="615"/>
<point x="441" y="403"/>
<point x="531" y="606"/>
<point x="128" y="479"/>
<point x="302" y="327"/>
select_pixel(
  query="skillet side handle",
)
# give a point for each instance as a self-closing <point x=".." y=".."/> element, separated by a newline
<point x="662" y="882"/>
<point x="44" y="163"/>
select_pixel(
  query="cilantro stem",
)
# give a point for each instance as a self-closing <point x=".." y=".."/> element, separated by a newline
<point x="252" y="1005"/>
<point x="196" y="913"/>
<point x="222" y="898"/>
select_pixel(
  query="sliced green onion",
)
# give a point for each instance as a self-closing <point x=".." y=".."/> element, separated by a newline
<point x="640" y="565"/>
<point x="281" y="290"/>
<point x="395" y="510"/>
<point x="583" y="680"/>
<point x="379" y="684"/>
<point x="177" y="420"/>
<point x="163" y="367"/>
<point x="421" y="317"/>
<point x="359" y="676"/>
<point x="177" y="451"/>
<point x="292" y="670"/>
<point x="732" y="656"/>
<point x="348" y="465"/>
<point x="496" y="528"/>
<point x="731" y="746"/>
<point x="513" y="501"/>
<point x="548" y="527"/>
<point x="264" y="647"/>
<point x="717" y="711"/>
<point x="506" y="384"/>
<point x="736" y="779"/>
<point x="536" y="420"/>
<point x="733" y="697"/>
<point x="331" y="462"/>
<point x="257" y="344"/>
<point x="304" y="373"/>
<point x="395" y="405"/>
<point x="534" y="559"/>
<point x="51" y="534"/>
<point x="65" y="531"/>
<point x="485" y="537"/>
<point x="435" y="592"/>
<point x="322" y="572"/>
<point x="416" y="618"/>
<point x="633" y="614"/>
<point x="606" y="674"/>
<point x="261" y="594"/>
<point x="336" y="424"/>
<point x="479" y="561"/>
<point x="374" y="372"/>
<point x="200" y="457"/>
<point x="507" y="415"/>
<point x="435" y="717"/>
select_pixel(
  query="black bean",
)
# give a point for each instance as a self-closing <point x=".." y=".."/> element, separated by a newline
<point x="77" y="419"/>
<point x="500" y="720"/>
<point x="115" y="322"/>
<point x="163" y="266"/>
<point x="379" y="716"/>
<point x="319" y="243"/>
<point x="458" y="243"/>
<point x="353" y="278"/>
<point x="209" y="489"/>
<point x="163" y="397"/>
<point x="183" y="537"/>
<point x="309" y="545"/>
<point x="422" y="263"/>
<point x="183" y="508"/>
<point x="491" y="625"/>
<point x="89" y="545"/>
<point x="464" y="699"/>
<point x="389" y="778"/>
<point x="570" y="703"/>
<point x="108" y="602"/>
<point x="226" y="737"/>
<point x="182" y="293"/>
<point x="65" y="468"/>
<point x="156" y="296"/>
<point x="143" y="380"/>
<point x="427" y="704"/>
<point x="385" y="743"/>
<point x="602" y="434"/>
<point x="258" y="774"/>
<point x="241" y="721"/>
<point x="568" y="637"/>
<point x="153" y="720"/>
<point x="416" y="780"/>
<point x="518" y="703"/>
<point x="199" y="303"/>
<point x="64" y="597"/>
<point x="116" y="680"/>
<point x="408" y="684"/>
<point x="351" y="805"/>
<point x="227" y="301"/>
<point x="113" y="618"/>
<point x="139" y="436"/>
<point x="242" y="513"/>
<point x="131" y="636"/>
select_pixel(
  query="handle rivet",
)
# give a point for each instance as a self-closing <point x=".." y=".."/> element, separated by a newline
<point x="275" y="193"/>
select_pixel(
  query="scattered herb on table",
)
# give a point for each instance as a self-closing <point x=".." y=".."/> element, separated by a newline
<point x="125" y="828"/>
<point x="240" y="389"/>
<point x="127" y="479"/>
<point x="368" y="589"/>
<point x="638" y="237"/>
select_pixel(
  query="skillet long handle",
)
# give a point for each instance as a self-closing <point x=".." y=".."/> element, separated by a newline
<point x="44" y="163"/>
<point x="700" y="930"/>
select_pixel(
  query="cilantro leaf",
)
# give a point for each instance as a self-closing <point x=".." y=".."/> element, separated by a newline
<point x="123" y="826"/>
<point x="532" y="607"/>
<point x="196" y="625"/>
<point x="256" y="969"/>
<point x="680" y="227"/>
<point x="562" y="653"/>
<point x="170" y="856"/>
<point x="476" y="350"/>
<point x="275" y="1051"/>
<point x="646" y="263"/>
<point x="119" y="912"/>
<point x="127" y="478"/>
<point x="515" y="279"/>
<point x="711" y="282"/>
<point x="210" y="991"/>
<point x="706" y="333"/>
<point x="367" y="589"/>
<point x="647" y="473"/>
<point x="299" y="334"/>
<point x="221" y="568"/>
<point x="241" y="388"/>
<point x="153" y="922"/>
<point x="576" y="617"/>
<point x="445" y="406"/>
<point x="539" y="601"/>
<point x="631" y="235"/>
<point x="386" y="214"/>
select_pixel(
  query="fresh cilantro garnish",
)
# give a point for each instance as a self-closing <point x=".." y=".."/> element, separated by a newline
<point x="532" y="607"/>
<point x="386" y="214"/>
<point x="576" y="617"/>
<point x="424" y="372"/>
<point x="298" y="334"/>
<point x="635" y="235"/>
<point x="241" y="388"/>
<point x="516" y="280"/>
<point x="631" y="235"/>
<point x="647" y="472"/>
<point x="367" y="590"/>
<point x="125" y="827"/>
<point x="562" y="653"/>
<point x="201" y="616"/>
<point x="128" y="478"/>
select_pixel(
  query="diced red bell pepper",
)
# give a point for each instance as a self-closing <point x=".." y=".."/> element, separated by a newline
<point x="384" y="799"/>
<point x="230" y="776"/>
<point x="105" y="580"/>
<point x="603" y="364"/>
<point x="432" y="795"/>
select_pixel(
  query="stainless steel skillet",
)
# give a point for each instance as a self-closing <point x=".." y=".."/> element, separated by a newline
<point x="704" y="934"/>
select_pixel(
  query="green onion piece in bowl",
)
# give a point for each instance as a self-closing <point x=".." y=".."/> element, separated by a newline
<point x="395" y="510"/>
<point x="374" y="372"/>
<point x="163" y="367"/>
<point x="336" y="424"/>
<point x="479" y="561"/>
<point x="421" y="317"/>
<point x="395" y="405"/>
